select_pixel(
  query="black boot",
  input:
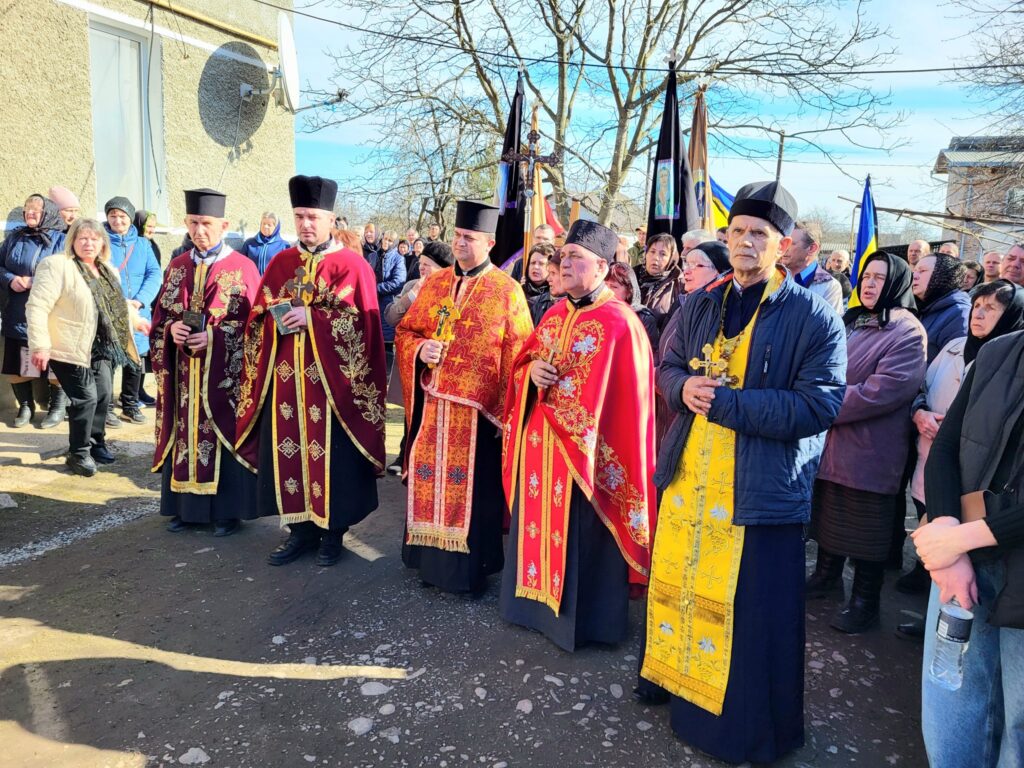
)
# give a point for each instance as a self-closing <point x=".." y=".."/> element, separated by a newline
<point x="58" y="405"/>
<point x="915" y="581"/>
<point x="861" y="613"/>
<point x="330" y="549"/>
<point x="26" y="405"/>
<point x="827" y="579"/>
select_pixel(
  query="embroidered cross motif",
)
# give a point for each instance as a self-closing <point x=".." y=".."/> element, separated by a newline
<point x="457" y="475"/>
<point x="318" y="492"/>
<point x="424" y="472"/>
<point x="284" y="370"/>
<point x="532" y="529"/>
<point x="291" y="485"/>
<point x="315" y="414"/>
<point x="286" y="411"/>
<point x="288" y="447"/>
<point x="316" y="451"/>
<point x="313" y="373"/>
<point x="534" y="438"/>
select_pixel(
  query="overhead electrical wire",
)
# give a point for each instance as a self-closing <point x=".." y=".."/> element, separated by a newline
<point x="516" y="61"/>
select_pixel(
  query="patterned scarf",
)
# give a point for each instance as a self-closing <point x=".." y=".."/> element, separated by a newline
<point x="113" y="331"/>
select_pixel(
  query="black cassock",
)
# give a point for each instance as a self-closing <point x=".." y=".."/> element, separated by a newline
<point x="595" y="597"/>
<point x="353" y="478"/>
<point x="235" y="498"/>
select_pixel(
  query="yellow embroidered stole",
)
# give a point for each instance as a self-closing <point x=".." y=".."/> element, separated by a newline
<point x="697" y="551"/>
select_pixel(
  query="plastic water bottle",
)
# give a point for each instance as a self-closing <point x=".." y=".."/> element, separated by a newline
<point x="952" y="633"/>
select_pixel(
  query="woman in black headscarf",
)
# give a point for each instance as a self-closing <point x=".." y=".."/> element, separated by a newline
<point x="942" y="306"/>
<point x="856" y="488"/>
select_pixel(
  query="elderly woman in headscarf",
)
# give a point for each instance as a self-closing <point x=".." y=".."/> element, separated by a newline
<point x="145" y="223"/>
<point x="80" y="325"/>
<point x="856" y="489"/>
<point x="942" y="305"/>
<point x="701" y="267"/>
<point x="660" y="277"/>
<point x="21" y="253"/>
<point x="265" y="244"/>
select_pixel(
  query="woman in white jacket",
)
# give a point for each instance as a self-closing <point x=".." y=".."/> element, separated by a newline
<point x="80" y="324"/>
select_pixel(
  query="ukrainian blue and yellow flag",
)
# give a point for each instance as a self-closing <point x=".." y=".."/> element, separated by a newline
<point x="721" y="202"/>
<point x="867" y="238"/>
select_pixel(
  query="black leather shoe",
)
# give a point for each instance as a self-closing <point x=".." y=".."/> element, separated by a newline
<point x="911" y="630"/>
<point x="293" y="548"/>
<point x="175" y="525"/>
<point x="330" y="549"/>
<point x="56" y="410"/>
<point x="102" y="454"/>
<point x="226" y="528"/>
<point x="85" y="467"/>
<point x="651" y="695"/>
<point x="145" y="399"/>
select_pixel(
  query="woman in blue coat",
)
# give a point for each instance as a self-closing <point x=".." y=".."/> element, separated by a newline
<point x="133" y="258"/>
<point x="20" y="254"/>
<point x="267" y="243"/>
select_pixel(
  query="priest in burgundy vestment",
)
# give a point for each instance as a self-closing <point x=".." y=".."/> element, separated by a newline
<point x="196" y="351"/>
<point x="311" y="403"/>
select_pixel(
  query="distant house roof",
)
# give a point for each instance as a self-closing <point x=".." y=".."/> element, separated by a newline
<point x="981" y="152"/>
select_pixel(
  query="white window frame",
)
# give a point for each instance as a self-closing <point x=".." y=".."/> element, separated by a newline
<point x="154" y="166"/>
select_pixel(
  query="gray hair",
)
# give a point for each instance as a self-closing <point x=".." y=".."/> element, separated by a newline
<point x="270" y="215"/>
<point x="696" y="236"/>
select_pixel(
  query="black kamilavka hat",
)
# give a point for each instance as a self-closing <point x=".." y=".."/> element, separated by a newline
<point x="476" y="216"/>
<point x="313" y="192"/>
<point x="205" y="202"/>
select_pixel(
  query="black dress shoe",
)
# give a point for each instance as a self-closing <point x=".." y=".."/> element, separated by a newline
<point x="175" y="525"/>
<point x="145" y="399"/>
<point x="651" y="695"/>
<point x="330" y="549"/>
<point x="226" y="528"/>
<point x="102" y="454"/>
<point x="293" y="548"/>
<point x="85" y="467"/>
<point x="911" y="630"/>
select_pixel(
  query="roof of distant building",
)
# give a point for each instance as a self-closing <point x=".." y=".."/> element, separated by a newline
<point x="981" y="151"/>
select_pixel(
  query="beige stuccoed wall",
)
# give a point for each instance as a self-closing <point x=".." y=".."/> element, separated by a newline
<point x="46" y="133"/>
<point x="46" y="123"/>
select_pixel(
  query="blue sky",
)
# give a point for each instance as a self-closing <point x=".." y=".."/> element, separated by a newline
<point x="923" y="35"/>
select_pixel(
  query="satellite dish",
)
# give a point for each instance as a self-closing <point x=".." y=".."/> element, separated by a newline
<point x="288" y="69"/>
<point x="285" y="85"/>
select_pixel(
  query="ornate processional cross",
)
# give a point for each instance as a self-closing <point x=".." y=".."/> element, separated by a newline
<point x="713" y="369"/>
<point x="528" y="166"/>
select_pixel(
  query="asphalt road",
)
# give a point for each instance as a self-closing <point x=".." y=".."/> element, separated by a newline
<point x="124" y="645"/>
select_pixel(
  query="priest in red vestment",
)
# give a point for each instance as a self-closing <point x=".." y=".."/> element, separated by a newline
<point x="196" y="351"/>
<point x="311" y="402"/>
<point x="454" y="349"/>
<point x="578" y="458"/>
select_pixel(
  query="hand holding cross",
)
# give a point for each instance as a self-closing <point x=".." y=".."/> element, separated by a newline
<point x="299" y="286"/>
<point x="713" y="369"/>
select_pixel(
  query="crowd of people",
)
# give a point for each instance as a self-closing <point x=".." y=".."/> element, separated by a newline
<point x="670" y="419"/>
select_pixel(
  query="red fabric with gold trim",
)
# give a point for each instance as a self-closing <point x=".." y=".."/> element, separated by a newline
<point x="494" y="322"/>
<point x="197" y="394"/>
<point x="341" y="354"/>
<point x="599" y="418"/>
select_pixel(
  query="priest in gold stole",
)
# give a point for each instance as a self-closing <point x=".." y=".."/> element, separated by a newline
<point x="579" y="458"/>
<point x="454" y="351"/>
<point x="756" y="373"/>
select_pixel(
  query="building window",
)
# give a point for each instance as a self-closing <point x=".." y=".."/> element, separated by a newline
<point x="1015" y="202"/>
<point x="125" y="146"/>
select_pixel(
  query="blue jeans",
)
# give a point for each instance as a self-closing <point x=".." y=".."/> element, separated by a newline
<point x="981" y="724"/>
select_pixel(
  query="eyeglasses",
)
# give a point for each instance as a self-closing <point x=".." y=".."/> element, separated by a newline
<point x="689" y="265"/>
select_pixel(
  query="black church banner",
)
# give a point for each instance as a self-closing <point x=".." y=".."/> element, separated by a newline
<point x="509" y="196"/>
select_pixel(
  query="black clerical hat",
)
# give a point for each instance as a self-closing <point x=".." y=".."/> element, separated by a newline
<point x="766" y="200"/>
<point x="205" y="202"/>
<point x="595" y="237"/>
<point x="313" y="192"/>
<point x="476" y="216"/>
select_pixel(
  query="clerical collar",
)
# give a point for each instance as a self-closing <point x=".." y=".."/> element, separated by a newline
<point x="329" y="242"/>
<point x="475" y="271"/>
<point x="208" y="256"/>
<point x="586" y="300"/>
<point x="739" y="288"/>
